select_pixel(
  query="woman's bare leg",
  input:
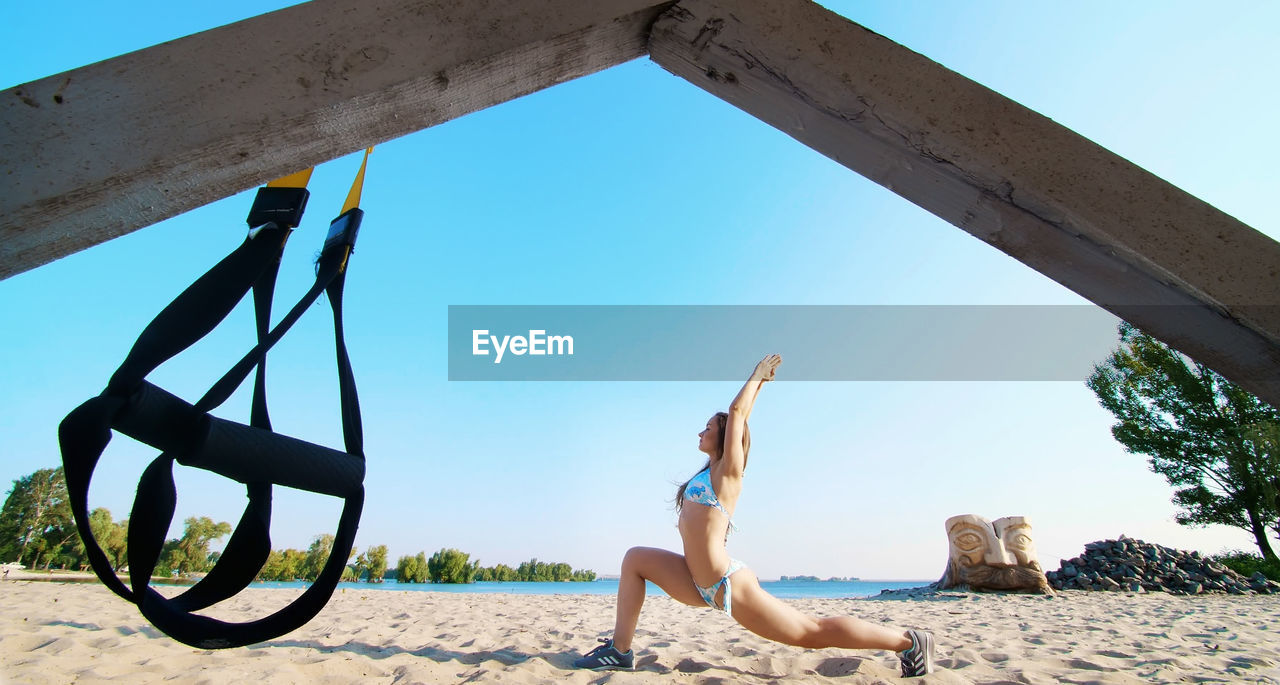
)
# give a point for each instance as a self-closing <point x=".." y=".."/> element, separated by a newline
<point x="769" y="617"/>
<point x="667" y="570"/>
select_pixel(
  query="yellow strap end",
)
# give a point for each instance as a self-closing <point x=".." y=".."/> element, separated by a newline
<point x="357" y="186"/>
<point x="298" y="179"/>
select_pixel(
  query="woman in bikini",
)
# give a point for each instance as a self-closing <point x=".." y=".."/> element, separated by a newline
<point x="706" y="575"/>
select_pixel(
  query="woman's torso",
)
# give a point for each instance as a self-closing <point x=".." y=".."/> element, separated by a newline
<point x="703" y="529"/>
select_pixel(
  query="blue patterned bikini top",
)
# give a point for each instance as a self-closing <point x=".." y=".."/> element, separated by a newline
<point x="701" y="492"/>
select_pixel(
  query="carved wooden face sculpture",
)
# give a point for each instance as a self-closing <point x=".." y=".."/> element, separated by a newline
<point x="992" y="555"/>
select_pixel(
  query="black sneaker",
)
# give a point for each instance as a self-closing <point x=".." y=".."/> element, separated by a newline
<point x="606" y="658"/>
<point x="918" y="660"/>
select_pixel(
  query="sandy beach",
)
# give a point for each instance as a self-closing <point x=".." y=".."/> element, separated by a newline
<point x="81" y="633"/>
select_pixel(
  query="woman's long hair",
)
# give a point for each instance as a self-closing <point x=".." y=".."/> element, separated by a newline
<point x="721" y="421"/>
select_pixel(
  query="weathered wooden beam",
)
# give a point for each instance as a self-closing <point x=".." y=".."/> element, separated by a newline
<point x="97" y="152"/>
<point x="1132" y="243"/>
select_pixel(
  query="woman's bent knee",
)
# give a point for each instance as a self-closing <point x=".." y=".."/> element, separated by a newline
<point x="634" y="559"/>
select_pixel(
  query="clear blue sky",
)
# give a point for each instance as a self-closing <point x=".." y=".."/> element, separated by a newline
<point x="633" y="186"/>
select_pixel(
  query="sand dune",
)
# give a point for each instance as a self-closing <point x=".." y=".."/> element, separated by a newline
<point x="63" y="633"/>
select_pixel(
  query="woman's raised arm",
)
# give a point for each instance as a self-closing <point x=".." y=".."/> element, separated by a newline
<point x="740" y="410"/>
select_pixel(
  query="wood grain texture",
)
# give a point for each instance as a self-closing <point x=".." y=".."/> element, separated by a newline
<point x="100" y="151"/>
<point x="1134" y="244"/>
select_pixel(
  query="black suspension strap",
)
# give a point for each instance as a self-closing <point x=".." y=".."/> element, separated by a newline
<point x="252" y="454"/>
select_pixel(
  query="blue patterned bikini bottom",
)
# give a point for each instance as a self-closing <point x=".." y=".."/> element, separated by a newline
<point x="709" y="593"/>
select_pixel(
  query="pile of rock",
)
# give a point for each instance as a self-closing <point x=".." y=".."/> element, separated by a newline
<point x="1136" y="566"/>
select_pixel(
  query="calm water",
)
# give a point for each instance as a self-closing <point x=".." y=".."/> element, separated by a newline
<point x="788" y="590"/>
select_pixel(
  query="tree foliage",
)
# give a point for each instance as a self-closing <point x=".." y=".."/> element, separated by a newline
<point x="500" y="573"/>
<point x="190" y="553"/>
<point x="452" y="566"/>
<point x="533" y="571"/>
<point x="1247" y="564"/>
<point x="283" y="565"/>
<point x="35" y="522"/>
<point x="1215" y="442"/>
<point x="292" y="564"/>
<point x="538" y="571"/>
<point x="412" y="569"/>
<point x="360" y="566"/>
<point x="375" y="562"/>
<point x="112" y="537"/>
<point x="317" y="554"/>
<point x="36" y="528"/>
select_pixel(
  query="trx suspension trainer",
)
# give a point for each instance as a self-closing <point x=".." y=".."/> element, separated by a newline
<point x="252" y="454"/>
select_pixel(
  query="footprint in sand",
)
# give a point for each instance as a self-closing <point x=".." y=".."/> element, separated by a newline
<point x="692" y="666"/>
<point x="1170" y="662"/>
<point x="741" y="651"/>
<point x="1086" y="665"/>
<point x="1250" y="662"/>
<point x="829" y="668"/>
<point x="651" y="663"/>
<point x="105" y="643"/>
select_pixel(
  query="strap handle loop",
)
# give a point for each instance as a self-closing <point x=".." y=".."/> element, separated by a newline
<point x="252" y="454"/>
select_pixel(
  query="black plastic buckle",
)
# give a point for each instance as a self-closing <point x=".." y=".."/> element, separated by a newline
<point x="283" y="206"/>
<point x="344" y="229"/>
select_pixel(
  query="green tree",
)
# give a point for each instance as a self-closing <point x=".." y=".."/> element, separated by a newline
<point x="112" y="537"/>
<point x="317" y="554"/>
<point x="376" y="563"/>
<point x="190" y="553"/>
<point x="361" y="565"/>
<point x="534" y="571"/>
<point x="412" y="569"/>
<point x="284" y="565"/>
<point x="273" y="567"/>
<point x="452" y="566"/>
<point x="1268" y="437"/>
<point x="292" y="564"/>
<point x="36" y="522"/>
<point x="501" y="573"/>
<point x="62" y="545"/>
<point x="1247" y="564"/>
<point x="1213" y="441"/>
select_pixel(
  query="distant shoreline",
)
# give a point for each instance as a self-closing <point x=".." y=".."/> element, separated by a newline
<point x="61" y="576"/>
<point x="601" y="586"/>
<point x="781" y="590"/>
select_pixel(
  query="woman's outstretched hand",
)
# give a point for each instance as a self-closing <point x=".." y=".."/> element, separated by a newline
<point x="766" y="367"/>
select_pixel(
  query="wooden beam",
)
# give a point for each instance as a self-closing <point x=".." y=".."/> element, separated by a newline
<point x="97" y="152"/>
<point x="1121" y="237"/>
